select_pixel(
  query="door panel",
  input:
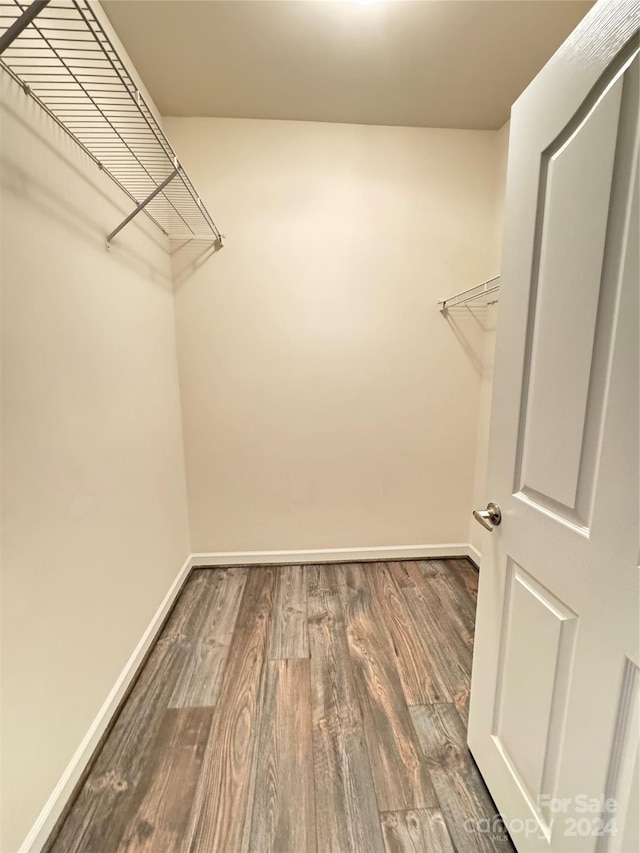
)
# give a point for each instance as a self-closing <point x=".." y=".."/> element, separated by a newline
<point x="533" y="681"/>
<point x="575" y="183"/>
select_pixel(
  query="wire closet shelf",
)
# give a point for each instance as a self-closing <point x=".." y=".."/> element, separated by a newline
<point x="482" y="291"/>
<point x="63" y="58"/>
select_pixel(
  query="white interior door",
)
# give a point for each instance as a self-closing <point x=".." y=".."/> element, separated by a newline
<point x="554" y="698"/>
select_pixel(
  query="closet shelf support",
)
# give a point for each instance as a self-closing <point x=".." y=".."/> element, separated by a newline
<point x="142" y="206"/>
<point x="21" y="23"/>
<point x="486" y="288"/>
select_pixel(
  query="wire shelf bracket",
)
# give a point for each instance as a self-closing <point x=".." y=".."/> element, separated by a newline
<point x="62" y="57"/>
<point x="485" y="289"/>
<point x="20" y="23"/>
<point x="141" y="206"/>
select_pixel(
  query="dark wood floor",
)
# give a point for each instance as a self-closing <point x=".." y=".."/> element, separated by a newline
<point x="298" y="709"/>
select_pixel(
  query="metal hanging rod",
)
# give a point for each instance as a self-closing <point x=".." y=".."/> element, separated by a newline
<point x="487" y="288"/>
<point x="58" y="51"/>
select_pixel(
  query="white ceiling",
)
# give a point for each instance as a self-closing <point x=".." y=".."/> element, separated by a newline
<point x="424" y="63"/>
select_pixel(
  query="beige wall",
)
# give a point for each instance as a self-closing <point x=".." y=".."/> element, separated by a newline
<point x="488" y="318"/>
<point x="326" y="401"/>
<point x="94" y="524"/>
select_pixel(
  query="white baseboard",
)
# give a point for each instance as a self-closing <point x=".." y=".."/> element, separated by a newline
<point x="46" y="820"/>
<point x="327" y="555"/>
<point x="42" y="828"/>
<point x="473" y="554"/>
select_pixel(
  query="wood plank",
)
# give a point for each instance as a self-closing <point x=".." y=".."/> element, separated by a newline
<point x="459" y="571"/>
<point x="451" y="657"/>
<point x="160" y="820"/>
<point x="199" y="682"/>
<point x="466" y="804"/>
<point x="284" y="810"/>
<point x="451" y="598"/>
<point x="406" y="573"/>
<point x="346" y="805"/>
<point x="459" y="574"/>
<point x="466" y="575"/>
<point x="399" y="771"/>
<point x="221" y="814"/>
<point x="289" y="637"/>
<point x="415" y="831"/>
<point x="116" y="783"/>
<point x="420" y="680"/>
